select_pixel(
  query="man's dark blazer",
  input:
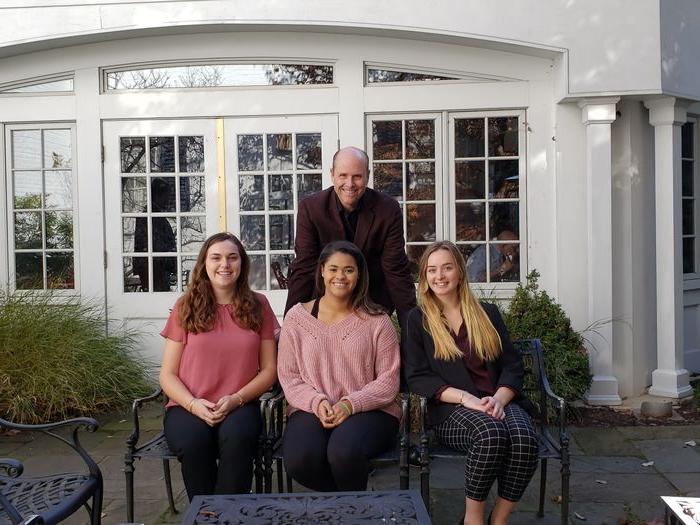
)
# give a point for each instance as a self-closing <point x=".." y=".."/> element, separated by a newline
<point x="426" y="374"/>
<point x="379" y="235"/>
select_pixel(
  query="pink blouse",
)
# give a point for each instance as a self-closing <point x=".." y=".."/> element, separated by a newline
<point x="224" y="359"/>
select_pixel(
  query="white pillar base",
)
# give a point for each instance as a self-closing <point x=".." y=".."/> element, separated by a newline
<point x="670" y="383"/>
<point x="603" y="391"/>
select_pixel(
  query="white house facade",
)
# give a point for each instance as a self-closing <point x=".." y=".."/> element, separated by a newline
<point x="134" y="129"/>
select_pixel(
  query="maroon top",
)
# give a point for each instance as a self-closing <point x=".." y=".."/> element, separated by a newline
<point x="474" y="365"/>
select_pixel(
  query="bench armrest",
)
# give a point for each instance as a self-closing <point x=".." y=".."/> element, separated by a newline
<point x="90" y="424"/>
<point x="273" y="415"/>
<point x="12" y="467"/>
<point x="133" y="439"/>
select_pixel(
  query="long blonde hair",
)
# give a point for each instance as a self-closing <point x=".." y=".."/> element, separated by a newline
<point x="483" y="337"/>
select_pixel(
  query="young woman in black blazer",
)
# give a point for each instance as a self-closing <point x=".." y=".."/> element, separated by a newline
<point x="459" y="355"/>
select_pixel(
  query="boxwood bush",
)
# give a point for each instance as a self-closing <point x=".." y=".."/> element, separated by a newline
<point x="57" y="361"/>
<point x="534" y="314"/>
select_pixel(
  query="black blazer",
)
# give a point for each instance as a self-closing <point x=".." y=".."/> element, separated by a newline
<point x="426" y="375"/>
<point x="379" y="236"/>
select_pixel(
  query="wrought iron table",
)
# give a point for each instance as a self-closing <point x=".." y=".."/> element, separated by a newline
<point x="393" y="507"/>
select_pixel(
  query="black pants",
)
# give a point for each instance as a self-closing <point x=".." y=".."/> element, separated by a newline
<point x="233" y="442"/>
<point x="336" y="459"/>
<point x="505" y="450"/>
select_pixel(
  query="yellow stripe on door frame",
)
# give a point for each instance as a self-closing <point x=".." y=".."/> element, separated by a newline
<point x="221" y="173"/>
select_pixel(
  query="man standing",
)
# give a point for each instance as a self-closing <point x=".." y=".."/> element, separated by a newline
<point x="351" y="211"/>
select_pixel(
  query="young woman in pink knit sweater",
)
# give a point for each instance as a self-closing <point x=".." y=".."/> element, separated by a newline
<point x="338" y="364"/>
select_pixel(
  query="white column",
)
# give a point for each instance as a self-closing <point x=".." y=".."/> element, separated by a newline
<point x="597" y="116"/>
<point x="670" y="379"/>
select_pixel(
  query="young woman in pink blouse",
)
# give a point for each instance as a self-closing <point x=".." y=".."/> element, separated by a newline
<point x="220" y="356"/>
<point x="339" y="368"/>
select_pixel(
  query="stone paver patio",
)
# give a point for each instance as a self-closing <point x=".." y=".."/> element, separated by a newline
<point x="608" y="482"/>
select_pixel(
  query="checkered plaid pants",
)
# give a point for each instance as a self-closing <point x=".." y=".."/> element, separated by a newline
<point x="505" y="450"/>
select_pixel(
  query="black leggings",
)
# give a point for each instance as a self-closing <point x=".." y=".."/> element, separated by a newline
<point x="337" y="458"/>
<point x="233" y="442"/>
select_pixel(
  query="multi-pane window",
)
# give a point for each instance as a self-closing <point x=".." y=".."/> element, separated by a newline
<point x="485" y="163"/>
<point x="274" y="172"/>
<point x="482" y="185"/>
<point x="42" y="226"/>
<point x="688" y="194"/>
<point x="162" y="210"/>
<point x="405" y="156"/>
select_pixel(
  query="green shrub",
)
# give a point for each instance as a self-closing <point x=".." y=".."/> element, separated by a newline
<point x="56" y="360"/>
<point x="534" y="314"/>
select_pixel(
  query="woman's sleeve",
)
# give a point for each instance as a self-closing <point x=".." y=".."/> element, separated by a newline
<point x="512" y="370"/>
<point x="420" y="377"/>
<point x="173" y="330"/>
<point x="270" y="326"/>
<point x="383" y="389"/>
<point x="299" y="394"/>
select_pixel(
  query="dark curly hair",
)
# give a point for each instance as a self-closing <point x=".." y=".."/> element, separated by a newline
<point x="197" y="307"/>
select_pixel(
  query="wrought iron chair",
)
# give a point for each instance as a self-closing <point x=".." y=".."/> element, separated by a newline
<point x="157" y="448"/>
<point x="273" y="452"/>
<point x="550" y="424"/>
<point x="53" y="498"/>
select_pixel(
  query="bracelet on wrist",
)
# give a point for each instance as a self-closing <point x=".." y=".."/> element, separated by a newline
<point x="346" y="406"/>
<point x="189" y="405"/>
<point x="240" y="399"/>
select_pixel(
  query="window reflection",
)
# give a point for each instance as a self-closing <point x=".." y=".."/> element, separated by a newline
<point x="220" y="75"/>
<point x="156" y="225"/>
<point x="275" y="172"/>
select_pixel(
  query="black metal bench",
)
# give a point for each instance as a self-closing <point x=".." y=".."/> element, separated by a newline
<point x="274" y="453"/>
<point x="550" y="423"/>
<point x="53" y="498"/>
<point x="157" y="448"/>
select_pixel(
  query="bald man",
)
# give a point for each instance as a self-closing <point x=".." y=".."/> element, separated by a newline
<point x="351" y="211"/>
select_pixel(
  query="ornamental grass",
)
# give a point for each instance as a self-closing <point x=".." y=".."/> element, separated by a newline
<point x="57" y="360"/>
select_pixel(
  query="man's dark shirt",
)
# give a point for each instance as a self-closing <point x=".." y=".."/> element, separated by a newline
<point x="349" y="218"/>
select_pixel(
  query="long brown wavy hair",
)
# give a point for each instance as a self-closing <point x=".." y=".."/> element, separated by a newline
<point x="359" y="299"/>
<point x="483" y="337"/>
<point x="197" y="308"/>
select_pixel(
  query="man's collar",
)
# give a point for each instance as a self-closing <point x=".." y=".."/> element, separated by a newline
<point x="341" y="208"/>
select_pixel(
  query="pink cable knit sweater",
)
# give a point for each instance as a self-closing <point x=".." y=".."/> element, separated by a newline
<point x="355" y="359"/>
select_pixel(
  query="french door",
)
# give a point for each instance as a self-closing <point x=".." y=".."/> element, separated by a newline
<point x="169" y="184"/>
<point x="271" y="164"/>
